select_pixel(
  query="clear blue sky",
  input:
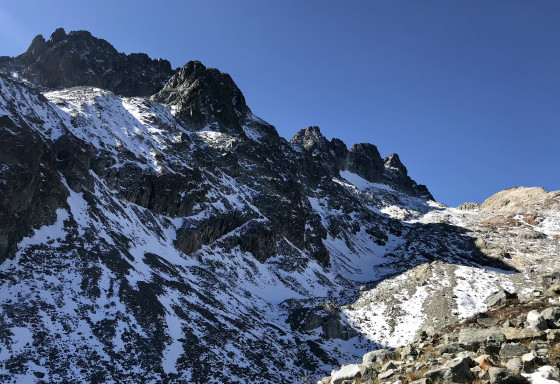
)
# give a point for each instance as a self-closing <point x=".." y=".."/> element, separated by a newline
<point x="466" y="92"/>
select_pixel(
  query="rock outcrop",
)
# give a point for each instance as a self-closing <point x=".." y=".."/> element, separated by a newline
<point x="29" y="184"/>
<point x="202" y="96"/>
<point x="78" y="58"/>
<point x="362" y="159"/>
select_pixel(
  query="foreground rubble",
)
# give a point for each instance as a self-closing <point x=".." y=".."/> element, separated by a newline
<point x="515" y="341"/>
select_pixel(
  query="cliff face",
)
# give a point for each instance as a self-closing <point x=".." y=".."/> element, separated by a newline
<point x="179" y="237"/>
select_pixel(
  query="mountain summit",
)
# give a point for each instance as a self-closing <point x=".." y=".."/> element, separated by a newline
<point x="201" y="96"/>
<point x="153" y="229"/>
<point x="78" y="58"/>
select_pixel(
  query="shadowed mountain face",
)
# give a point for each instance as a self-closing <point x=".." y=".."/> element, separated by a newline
<point x="201" y="96"/>
<point x="179" y="238"/>
<point x="78" y="58"/>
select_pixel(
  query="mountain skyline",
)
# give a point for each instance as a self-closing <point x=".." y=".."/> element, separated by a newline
<point x="467" y="95"/>
<point x="153" y="229"/>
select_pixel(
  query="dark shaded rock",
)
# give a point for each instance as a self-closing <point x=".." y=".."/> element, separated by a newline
<point x="450" y="348"/>
<point x="457" y="370"/>
<point x="500" y="298"/>
<point x="58" y="35"/>
<point x="193" y="235"/>
<point x="30" y="185"/>
<point x="513" y="349"/>
<point x="334" y="329"/>
<point x="365" y="161"/>
<point x="395" y="175"/>
<point x="78" y="59"/>
<point x="313" y="320"/>
<point x="312" y="140"/>
<point x="39" y="374"/>
<point x="37" y="47"/>
<point x="203" y="96"/>
<point x="326" y="315"/>
<point x="472" y="339"/>
<point x="339" y="151"/>
<point x="362" y="159"/>
<point x="504" y="376"/>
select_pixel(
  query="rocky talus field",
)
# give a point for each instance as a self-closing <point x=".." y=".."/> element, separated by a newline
<point x="154" y="230"/>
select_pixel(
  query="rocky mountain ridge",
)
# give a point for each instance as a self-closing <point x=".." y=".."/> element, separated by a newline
<point x="78" y="58"/>
<point x="179" y="238"/>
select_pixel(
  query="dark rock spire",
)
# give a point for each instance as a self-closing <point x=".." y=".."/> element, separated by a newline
<point x="80" y="59"/>
<point x="202" y="96"/>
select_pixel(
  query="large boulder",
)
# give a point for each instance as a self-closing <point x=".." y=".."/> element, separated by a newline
<point x="377" y="357"/>
<point x="504" y="376"/>
<point x="471" y="339"/>
<point x="347" y="372"/>
<point x="456" y="370"/>
<point x="515" y="334"/>
<point x="500" y="298"/>
<point x="513" y="349"/>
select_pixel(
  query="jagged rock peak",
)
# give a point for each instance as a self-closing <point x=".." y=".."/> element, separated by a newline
<point x="80" y="59"/>
<point x="395" y="174"/>
<point x="202" y="96"/>
<point x="363" y="159"/>
<point x="394" y="162"/>
<point x="58" y="35"/>
<point x="37" y="47"/>
<point x="311" y="139"/>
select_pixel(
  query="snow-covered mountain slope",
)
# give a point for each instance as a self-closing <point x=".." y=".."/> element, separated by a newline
<point x="159" y="240"/>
